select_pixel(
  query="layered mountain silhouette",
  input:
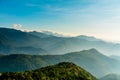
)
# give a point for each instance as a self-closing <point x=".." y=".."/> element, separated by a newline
<point x="89" y="38"/>
<point x="115" y="57"/>
<point x="40" y="34"/>
<point x="61" y="71"/>
<point x="16" y="42"/>
<point x="33" y="50"/>
<point x="91" y="60"/>
<point x="111" y="77"/>
<point x="12" y="41"/>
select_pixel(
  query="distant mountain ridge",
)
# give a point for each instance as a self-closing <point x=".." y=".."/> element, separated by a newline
<point x="40" y="34"/>
<point x="11" y="39"/>
<point x="115" y="57"/>
<point x="89" y="38"/>
<point x="61" y="71"/>
<point x="91" y="60"/>
<point x="45" y="34"/>
<point x="111" y="77"/>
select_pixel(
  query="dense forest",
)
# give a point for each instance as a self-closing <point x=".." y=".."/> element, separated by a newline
<point x="61" y="71"/>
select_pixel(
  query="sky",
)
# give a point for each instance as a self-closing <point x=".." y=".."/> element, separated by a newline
<point x="99" y="18"/>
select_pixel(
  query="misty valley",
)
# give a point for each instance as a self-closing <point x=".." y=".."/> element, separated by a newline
<point x="59" y="40"/>
<point x="49" y="56"/>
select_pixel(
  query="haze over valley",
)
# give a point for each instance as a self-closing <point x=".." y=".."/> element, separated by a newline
<point x="59" y="40"/>
<point x="33" y="50"/>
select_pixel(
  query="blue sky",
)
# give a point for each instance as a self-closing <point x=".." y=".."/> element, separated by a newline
<point x="99" y="18"/>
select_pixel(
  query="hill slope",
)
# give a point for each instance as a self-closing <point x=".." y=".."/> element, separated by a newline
<point x="91" y="60"/>
<point x="17" y="42"/>
<point x="61" y="71"/>
<point x="115" y="57"/>
<point x="111" y="77"/>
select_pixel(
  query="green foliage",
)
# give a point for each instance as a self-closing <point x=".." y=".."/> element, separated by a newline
<point x="61" y="71"/>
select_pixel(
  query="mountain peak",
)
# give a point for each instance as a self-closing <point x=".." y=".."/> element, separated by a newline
<point x="89" y="38"/>
<point x="93" y="50"/>
<point x="67" y="64"/>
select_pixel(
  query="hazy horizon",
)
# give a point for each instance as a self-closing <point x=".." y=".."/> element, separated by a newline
<point x="79" y="38"/>
<point x="97" y="18"/>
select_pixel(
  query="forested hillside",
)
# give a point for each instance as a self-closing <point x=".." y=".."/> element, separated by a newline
<point x="61" y="71"/>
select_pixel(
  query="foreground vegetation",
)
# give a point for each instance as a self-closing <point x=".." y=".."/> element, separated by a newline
<point x="61" y="71"/>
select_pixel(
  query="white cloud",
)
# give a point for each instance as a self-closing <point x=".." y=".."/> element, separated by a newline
<point x="17" y="26"/>
<point x="20" y="27"/>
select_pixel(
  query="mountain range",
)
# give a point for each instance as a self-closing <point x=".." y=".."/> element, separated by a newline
<point x="14" y="41"/>
<point x="91" y="60"/>
<point x="33" y="50"/>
